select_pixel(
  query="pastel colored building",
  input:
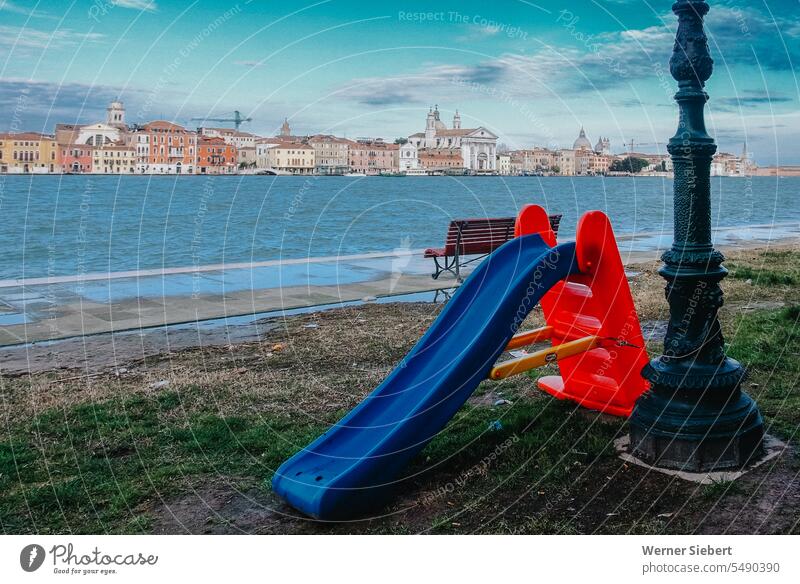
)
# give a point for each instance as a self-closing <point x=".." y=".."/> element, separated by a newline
<point x="28" y="152"/>
<point x="330" y="153"/>
<point x="373" y="157"/>
<point x="164" y="148"/>
<point x="215" y="156"/>
<point x="67" y="133"/>
<point x="441" y="159"/>
<point x="116" y="158"/>
<point x="291" y="158"/>
<point x="235" y="137"/>
<point x="477" y="146"/>
<point x="504" y="164"/>
<point x="408" y="158"/>
<point x="98" y="135"/>
<point x="262" y="148"/>
<point x="599" y="163"/>
<point x="76" y="158"/>
<point x="246" y="157"/>
<point x="566" y="162"/>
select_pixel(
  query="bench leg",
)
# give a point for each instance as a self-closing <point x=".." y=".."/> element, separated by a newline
<point x="450" y="265"/>
<point x="444" y="293"/>
<point x="438" y="269"/>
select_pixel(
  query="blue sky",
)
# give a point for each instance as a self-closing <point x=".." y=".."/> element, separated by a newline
<point x="532" y="71"/>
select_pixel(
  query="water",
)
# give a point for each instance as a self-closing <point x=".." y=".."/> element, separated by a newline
<point x="64" y="225"/>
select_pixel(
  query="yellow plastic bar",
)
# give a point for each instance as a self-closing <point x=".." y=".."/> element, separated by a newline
<point x="529" y="337"/>
<point x="543" y="357"/>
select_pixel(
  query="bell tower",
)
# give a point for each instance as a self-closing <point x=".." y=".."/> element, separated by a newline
<point x="430" y="128"/>
<point x="115" y="115"/>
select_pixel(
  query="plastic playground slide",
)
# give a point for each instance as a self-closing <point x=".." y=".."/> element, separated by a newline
<point x="353" y="467"/>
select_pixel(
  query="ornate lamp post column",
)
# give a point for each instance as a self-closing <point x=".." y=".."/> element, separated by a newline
<point x="695" y="416"/>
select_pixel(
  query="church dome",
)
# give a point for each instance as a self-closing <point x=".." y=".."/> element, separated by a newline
<point x="582" y="143"/>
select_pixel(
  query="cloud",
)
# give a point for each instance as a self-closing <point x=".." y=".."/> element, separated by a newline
<point x="38" y="105"/>
<point x="592" y="62"/>
<point x="145" y="5"/>
<point x="749" y="99"/>
<point x="14" y="9"/>
<point x="21" y="38"/>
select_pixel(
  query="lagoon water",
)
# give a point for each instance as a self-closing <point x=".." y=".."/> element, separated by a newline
<point x="65" y="225"/>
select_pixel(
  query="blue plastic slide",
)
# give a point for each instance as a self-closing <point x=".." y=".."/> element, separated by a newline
<point x="353" y="467"/>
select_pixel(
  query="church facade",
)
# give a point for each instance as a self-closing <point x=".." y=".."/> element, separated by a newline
<point x="477" y="146"/>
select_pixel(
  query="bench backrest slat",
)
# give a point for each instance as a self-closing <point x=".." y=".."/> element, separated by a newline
<point x="483" y="235"/>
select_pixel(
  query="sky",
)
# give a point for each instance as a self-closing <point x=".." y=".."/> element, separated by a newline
<point x="533" y="72"/>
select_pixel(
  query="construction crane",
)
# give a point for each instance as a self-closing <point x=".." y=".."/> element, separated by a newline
<point x="237" y="119"/>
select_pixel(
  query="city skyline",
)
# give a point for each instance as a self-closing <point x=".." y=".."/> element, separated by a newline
<point x="531" y="72"/>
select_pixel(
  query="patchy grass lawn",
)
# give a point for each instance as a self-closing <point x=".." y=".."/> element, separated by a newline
<point x="187" y="442"/>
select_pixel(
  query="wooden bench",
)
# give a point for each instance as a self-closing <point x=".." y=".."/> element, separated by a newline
<point x="473" y="237"/>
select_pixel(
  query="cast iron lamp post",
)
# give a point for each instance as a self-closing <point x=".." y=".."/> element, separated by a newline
<point x="695" y="416"/>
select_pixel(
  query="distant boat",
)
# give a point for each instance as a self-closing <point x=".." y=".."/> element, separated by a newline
<point x="393" y="174"/>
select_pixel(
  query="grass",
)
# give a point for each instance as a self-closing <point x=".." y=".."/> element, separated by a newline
<point x="89" y="468"/>
<point x="110" y="454"/>
<point x="767" y="342"/>
<point x="774" y="268"/>
<point x="715" y="490"/>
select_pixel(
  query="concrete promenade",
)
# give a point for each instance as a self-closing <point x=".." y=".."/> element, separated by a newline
<point x="44" y="309"/>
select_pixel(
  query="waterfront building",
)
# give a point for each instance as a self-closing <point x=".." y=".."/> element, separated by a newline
<point x="118" y="158"/>
<point x="535" y="160"/>
<point x="566" y="162"/>
<point x="113" y="129"/>
<point x="262" y="146"/>
<point x="28" y="152"/>
<point x="115" y="116"/>
<point x="67" y="133"/>
<point x="237" y="138"/>
<point x="582" y="142"/>
<point x="407" y="157"/>
<point x="75" y="158"/>
<point x="599" y="163"/>
<point x="543" y="160"/>
<point x="504" y="164"/>
<point x="246" y="157"/>
<point x="441" y="159"/>
<point x="98" y="135"/>
<point x="477" y="146"/>
<point x="291" y="158"/>
<point x="215" y="156"/>
<point x="373" y="156"/>
<point x="521" y="162"/>
<point x="516" y="163"/>
<point x="582" y="157"/>
<point x="790" y="170"/>
<point x="603" y="146"/>
<point x="164" y="148"/>
<point x="330" y="154"/>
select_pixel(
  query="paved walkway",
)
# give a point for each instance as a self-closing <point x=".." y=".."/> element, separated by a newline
<point x="44" y="309"/>
<point x="61" y="307"/>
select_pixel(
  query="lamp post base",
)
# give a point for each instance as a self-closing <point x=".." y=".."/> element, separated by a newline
<point x="699" y="429"/>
